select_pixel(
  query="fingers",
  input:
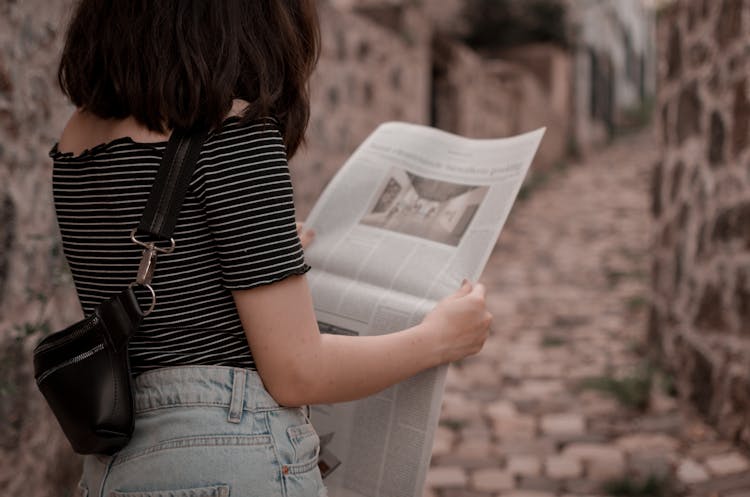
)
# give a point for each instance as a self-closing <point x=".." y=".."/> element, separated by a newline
<point x="463" y="291"/>
<point x="479" y="290"/>
<point x="305" y="236"/>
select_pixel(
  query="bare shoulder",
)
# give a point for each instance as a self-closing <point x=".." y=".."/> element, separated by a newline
<point x="72" y="137"/>
<point x="85" y="131"/>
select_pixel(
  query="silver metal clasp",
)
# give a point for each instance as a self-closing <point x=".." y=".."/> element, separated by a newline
<point x="152" y="245"/>
<point x="148" y="265"/>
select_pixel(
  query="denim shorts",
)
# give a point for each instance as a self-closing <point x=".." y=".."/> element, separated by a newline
<point x="209" y="431"/>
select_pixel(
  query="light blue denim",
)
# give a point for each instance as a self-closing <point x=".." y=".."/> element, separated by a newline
<point x="209" y="431"/>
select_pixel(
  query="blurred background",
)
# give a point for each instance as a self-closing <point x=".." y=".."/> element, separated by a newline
<point x="620" y="358"/>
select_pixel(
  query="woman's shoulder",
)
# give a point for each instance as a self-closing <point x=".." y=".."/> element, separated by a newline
<point x="85" y="131"/>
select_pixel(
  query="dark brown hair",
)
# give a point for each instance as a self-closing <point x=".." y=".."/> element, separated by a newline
<point x="178" y="64"/>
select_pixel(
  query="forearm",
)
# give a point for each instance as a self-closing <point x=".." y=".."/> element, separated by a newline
<point x="344" y="368"/>
<point x="299" y="365"/>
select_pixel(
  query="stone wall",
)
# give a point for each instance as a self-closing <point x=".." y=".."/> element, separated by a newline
<point x="700" y="319"/>
<point x="468" y="99"/>
<point x="35" y="291"/>
<point x="382" y="62"/>
<point x="367" y="74"/>
<point x="539" y="78"/>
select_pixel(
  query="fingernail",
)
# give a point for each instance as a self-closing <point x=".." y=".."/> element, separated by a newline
<point x="464" y="282"/>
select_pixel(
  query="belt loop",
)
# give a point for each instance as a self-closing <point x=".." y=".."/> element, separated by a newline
<point x="238" y="396"/>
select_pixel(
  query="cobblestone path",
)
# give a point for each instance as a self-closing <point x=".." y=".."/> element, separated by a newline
<point x="562" y="401"/>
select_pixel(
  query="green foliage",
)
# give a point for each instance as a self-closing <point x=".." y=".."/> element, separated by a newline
<point x="538" y="179"/>
<point x="632" y="391"/>
<point x="553" y="341"/>
<point x="39" y="324"/>
<point x="653" y="486"/>
<point x="9" y="358"/>
<point x="452" y="424"/>
<point x="499" y="24"/>
<point x="614" y="276"/>
<point x="535" y="181"/>
<point x="636" y="303"/>
<point x="637" y="117"/>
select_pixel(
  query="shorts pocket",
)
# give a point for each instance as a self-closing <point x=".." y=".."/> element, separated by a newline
<point x="213" y="491"/>
<point x="302" y="477"/>
<point x="306" y="444"/>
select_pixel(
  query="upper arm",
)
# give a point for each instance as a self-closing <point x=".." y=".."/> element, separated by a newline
<point x="244" y="184"/>
<point x="280" y="325"/>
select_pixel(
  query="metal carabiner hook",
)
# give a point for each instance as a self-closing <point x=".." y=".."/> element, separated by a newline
<point x="152" y="245"/>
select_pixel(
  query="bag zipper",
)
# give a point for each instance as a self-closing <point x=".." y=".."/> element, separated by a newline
<point x="62" y="341"/>
<point x="71" y="361"/>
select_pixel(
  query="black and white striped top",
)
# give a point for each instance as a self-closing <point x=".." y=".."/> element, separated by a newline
<point x="236" y="230"/>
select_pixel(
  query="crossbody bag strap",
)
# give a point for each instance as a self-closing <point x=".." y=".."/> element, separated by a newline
<point x="170" y="186"/>
<point x="164" y="203"/>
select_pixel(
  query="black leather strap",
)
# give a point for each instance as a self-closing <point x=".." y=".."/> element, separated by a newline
<point x="171" y="184"/>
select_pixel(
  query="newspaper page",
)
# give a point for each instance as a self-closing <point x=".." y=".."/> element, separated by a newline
<point x="413" y="212"/>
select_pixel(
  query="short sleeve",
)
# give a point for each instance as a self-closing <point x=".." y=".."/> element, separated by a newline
<point x="243" y="181"/>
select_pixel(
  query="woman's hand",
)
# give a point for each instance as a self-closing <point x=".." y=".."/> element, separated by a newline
<point x="461" y="322"/>
<point x="305" y="236"/>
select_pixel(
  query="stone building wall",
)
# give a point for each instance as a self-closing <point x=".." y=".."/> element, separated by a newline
<point x="383" y="61"/>
<point x="367" y="74"/>
<point x="538" y="76"/>
<point x="700" y="319"/>
<point x="468" y="99"/>
<point x="35" y="292"/>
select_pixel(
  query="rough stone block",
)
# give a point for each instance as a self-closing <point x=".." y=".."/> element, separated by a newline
<point x="501" y="409"/>
<point x="446" y="477"/>
<point x="524" y="465"/>
<point x="443" y="442"/>
<point x="463" y="492"/>
<point x="527" y="493"/>
<point x="492" y="480"/>
<point x="727" y="464"/>
<point x="539" y="447"/>
<point x="716" y="139"/>
<point x="521" y="427"/>
<point x="474" y="448"/>
<point x="741" y="118"/>
<point x="648" y="442"/>
<point x="644" y="465"/>
<point x="564" y="424"/>
<point x="674" y="53"/>
<point x="729" y="23"/>
<point x="540" y="484"/>
<point x="584" y="486"/>
<point x="604" y="462"/>
<point x="689" y="471"/>
<point x="563" y="467"/>
<point x="689" y="112"/>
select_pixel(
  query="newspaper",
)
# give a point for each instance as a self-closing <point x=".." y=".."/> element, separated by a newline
<point x="413" y="212"/>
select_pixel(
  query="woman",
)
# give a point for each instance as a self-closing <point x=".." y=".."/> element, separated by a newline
<point x="227" y="361"/>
